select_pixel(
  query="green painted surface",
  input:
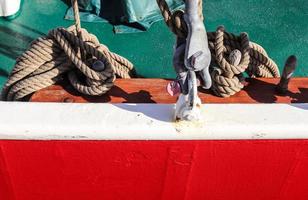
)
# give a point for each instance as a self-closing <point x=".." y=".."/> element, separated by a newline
<point x="281" y="26"/>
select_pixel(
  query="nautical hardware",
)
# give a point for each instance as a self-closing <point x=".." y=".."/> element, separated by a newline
<point x="254" y="60"/>
<point x="288" y="71"/>
<point x="197" y="52"/>
<point x="188" y="107"/>
<point x="195" y="59"/>
<point x="90" y="67"/>
<point x="173" y="88"/>
<point x="98" y="66"/>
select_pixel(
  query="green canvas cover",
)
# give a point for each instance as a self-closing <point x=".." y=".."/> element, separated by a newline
<point x="126" y="15"/>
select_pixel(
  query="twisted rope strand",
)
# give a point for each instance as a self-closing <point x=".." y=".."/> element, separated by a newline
<point x="67" y="52"/>
<point x="254" y="59"/>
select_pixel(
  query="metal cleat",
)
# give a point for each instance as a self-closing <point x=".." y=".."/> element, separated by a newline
<point x="197" y="53"/>
<point x="188" y="106"/>
<point x="288" y="71"/>
<point x="192" y="56"/>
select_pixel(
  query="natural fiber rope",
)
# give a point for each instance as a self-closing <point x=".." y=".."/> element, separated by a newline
<point x="64" y="52"/>
<point x="255" y="60"/>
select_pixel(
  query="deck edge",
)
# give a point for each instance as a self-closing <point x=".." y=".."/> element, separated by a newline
<point x="63" y="121"/>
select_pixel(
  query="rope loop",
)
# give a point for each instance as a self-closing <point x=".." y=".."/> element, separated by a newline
<point x="90" y="66"/>
<point x="231" y="55"/>
<point x="221" y="51"/>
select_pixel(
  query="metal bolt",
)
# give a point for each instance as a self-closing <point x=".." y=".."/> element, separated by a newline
<point x="98" y="66"/>
<point x="68" y="100"/>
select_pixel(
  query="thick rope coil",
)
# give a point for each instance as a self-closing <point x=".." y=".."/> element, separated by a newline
<point x="254" y="59"/>
<point x="224" y="86"/>
<point x="72" y="52"/>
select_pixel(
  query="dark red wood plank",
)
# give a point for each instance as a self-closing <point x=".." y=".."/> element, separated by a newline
<point x="259" y="90"/>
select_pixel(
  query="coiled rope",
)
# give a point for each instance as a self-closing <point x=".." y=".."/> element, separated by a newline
<point x="226" y="76"/>
<point x="68" y="52"/>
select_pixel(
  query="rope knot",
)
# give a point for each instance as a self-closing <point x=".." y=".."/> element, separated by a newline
<point x="231" y="55"/>
<point x="90" y="66"/>
<point x="223" y="47"/>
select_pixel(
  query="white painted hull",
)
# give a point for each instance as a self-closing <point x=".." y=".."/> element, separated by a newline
<point x="60" y="121"/>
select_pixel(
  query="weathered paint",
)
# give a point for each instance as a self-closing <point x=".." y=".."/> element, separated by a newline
<point x="71" y="165"/>
<point x="145" y="90"/>
<point x="60" y="121"/>
<point x="138" y="170"/>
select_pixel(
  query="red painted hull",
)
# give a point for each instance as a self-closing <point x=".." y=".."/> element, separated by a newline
<point x="190" y="170"/>
<point x="164" y="170"/>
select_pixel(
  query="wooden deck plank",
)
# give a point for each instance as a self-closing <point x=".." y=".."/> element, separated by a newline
<point x="259" y="90"/>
